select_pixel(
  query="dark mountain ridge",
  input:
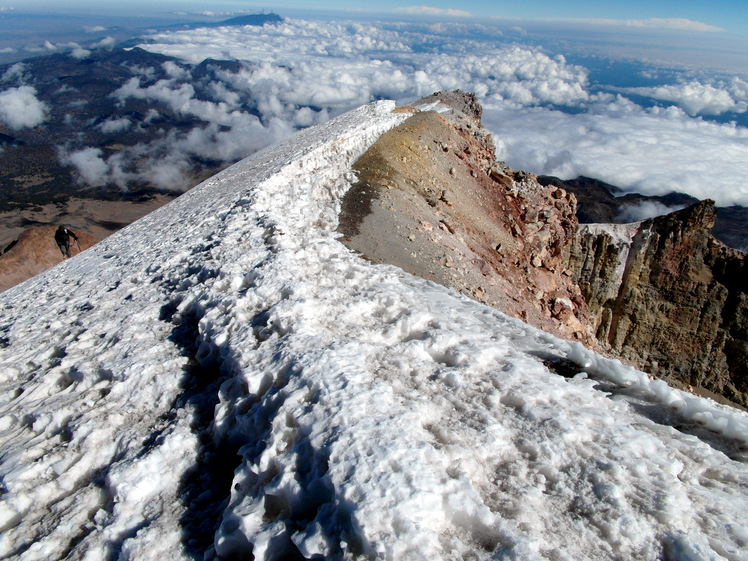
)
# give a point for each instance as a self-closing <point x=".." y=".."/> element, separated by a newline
<point x="140" y="128"/>
<point x="600" y="202"/>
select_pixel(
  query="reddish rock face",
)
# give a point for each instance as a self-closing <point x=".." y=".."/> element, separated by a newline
<point x="36" y="251"/>
<point x="663" y="294"/>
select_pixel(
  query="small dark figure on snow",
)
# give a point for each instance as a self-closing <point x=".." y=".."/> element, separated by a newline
<point x="62" y="237"/>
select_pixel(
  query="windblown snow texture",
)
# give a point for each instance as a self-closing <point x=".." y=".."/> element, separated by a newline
<point x="223" y="377"/>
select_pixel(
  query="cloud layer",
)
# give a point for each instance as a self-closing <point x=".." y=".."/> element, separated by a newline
<point x="541" y="109"/>
<point x="697" y="98"/>
<point x="681" y="24"/>
<point x="545" y="115"/>
<point x="651" y="151"/>
<point x="431" y="11"/>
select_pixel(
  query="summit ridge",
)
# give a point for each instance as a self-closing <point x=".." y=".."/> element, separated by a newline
<point x="225" y="379"/>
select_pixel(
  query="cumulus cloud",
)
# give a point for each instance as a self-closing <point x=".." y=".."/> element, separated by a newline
<point x="338" y="65"/>
<point x="123" y="168"/>
<point x="541" y="109"/>
<point x="89" y="164"/>
<point x="696" y="98"/>
<point x="105" y="43"/>
<point x="167" y="163"/>
<point x="173" y="70"/>
<point x="20" y="108"/>
<point x="650" y="151"/>
<point x="115" y="125"/>
<point x="80" y="53"/>
<point x="180" y="98"/>
<point x="14" y="72"/>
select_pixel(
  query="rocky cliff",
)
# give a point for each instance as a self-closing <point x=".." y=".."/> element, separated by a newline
<point x="666" y="295"/>
<point x="663" y="294"/>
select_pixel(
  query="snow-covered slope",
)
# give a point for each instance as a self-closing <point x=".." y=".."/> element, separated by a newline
<point x="224" y="377"/>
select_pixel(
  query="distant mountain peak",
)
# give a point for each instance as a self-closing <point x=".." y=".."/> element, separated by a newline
<point x="251" y="19"/>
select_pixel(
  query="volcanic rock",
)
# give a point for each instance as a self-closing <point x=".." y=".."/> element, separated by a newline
<point x="431" y="198"/>
<point x="668" y="296"/>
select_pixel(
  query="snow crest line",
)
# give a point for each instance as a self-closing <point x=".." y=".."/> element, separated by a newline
<point x="100" y="386"/>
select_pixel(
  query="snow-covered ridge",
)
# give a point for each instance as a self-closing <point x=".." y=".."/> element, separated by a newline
<point x="224" y="376"/>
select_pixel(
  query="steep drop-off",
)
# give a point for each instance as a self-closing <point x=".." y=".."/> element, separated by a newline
<point x="663" y="294"/>
<point x="432" y="199"/>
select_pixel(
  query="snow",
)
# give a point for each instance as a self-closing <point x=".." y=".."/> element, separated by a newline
<point x="224" y="377"/>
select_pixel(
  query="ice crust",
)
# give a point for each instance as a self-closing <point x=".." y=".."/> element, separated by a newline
<point x="223" y="377"/>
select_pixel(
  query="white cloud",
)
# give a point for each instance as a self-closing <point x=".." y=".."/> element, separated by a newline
<point x="653" y="151"/>
<point x="19" y="108"/>
<point x="166" y="162"/>
<point x="301" y="72"/>
<point x="15" y="71"/>
<point x="431" y="11"/>
<point x="173" y="70"/>
<point x="80" y="53"/>
<point x="681" y="24"/>
<point x="180" y="97"/>
<point x="696" y="98"/>
<point x="642" y="210"/>
<point x="148" y="72"/>
<point x="93" y="28"/>
<point x="115" y="125"/>
<point x="89" y="164"/>
<point x="330" y="64"/>
<point x="105" y="43"/>
<point x="674" y="23"/>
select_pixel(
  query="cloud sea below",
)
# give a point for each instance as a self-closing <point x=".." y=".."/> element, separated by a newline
<point x="644" y="127"/>
<point x="225" y="377"/>
<point x="560" y="106"/>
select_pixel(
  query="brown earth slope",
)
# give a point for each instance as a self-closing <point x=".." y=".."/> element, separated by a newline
<point x="96" y="219"/>
<point x="431" y="199"/>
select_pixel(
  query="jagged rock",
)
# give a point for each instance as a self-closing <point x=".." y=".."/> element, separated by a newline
<point x="480" y="208"/>
<point x="562" y="308"/>
<point x="665" y="294"/>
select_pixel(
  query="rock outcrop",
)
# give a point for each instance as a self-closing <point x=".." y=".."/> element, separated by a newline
<point x="663" y="295"/>
<point x="35" y="251"/>
<point x="432" y="199"/>
<point x="666" y="295"/>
